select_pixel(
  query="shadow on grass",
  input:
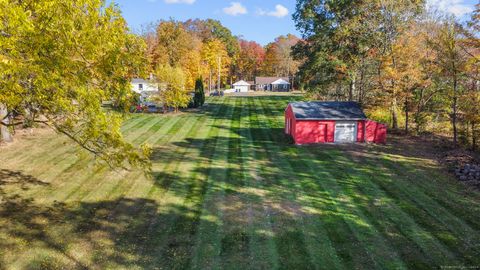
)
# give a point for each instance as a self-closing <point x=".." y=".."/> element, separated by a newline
<point x="136" y="233"/>
<point x="250" y="220"/>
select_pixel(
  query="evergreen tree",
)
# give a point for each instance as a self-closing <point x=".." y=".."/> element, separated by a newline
<point x="199" y="97"/>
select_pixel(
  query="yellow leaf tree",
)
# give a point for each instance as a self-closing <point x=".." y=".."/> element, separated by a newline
<point x="174" y="95"/>
<point x="215" y="56"/>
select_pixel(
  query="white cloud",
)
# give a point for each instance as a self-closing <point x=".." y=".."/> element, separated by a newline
<point x="178" y="1"/>
<point x="279" y="12"/>
<point x="458" y="8"/>
<point x="235" y="9"/>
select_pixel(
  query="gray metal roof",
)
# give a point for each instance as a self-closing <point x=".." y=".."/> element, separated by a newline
<point x="328" y="110"/>
<point x="138" y="80"/>
<point x="268" y="80"/>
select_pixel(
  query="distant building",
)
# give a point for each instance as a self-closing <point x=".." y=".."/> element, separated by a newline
<point x="145" y="88"/>
<point x="272" y="84"/>
<point x="241" y="86"/>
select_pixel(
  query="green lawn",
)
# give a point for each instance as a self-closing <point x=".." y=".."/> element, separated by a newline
<point x="229" y="191"/>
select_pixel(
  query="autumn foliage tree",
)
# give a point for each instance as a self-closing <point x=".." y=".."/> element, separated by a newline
<point x="278" y="57"/>
<point x="215" y="55"/>
<point x="250" y="59"/>
<point x="59" y="60"/>
<point x="175" y="95"/>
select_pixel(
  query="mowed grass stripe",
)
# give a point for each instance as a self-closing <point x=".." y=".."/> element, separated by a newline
<point x="61" y="146"/>
<point x="263" y="249"/>
<point x="138" y="123"/>
<point x="30" y="146"/>
<point x="453" y="197"/>
<point x="288" y="231"/>
<point x="235" y="239"/>
<point x="208" y="239"/>
<point x="172" y="244"/>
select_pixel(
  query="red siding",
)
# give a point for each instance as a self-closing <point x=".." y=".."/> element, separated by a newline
<point x="311" y="131"/>
<point x="376" y="132"/>
<point x="361" y="131"/>
<point x="289" y="116"/>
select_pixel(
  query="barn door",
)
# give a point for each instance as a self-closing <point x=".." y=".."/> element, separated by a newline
<point x="345" y="132"/>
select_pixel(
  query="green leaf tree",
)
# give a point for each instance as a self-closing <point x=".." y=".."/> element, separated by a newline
<point x="59" y="60"/>
<point x="451" y="60"/>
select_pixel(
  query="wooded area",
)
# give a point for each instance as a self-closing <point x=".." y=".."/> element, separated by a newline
<point x="412" y="68"/>
<point x="206" y="49"/>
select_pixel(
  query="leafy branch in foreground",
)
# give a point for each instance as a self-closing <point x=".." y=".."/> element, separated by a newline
<point x="59" y="59"/>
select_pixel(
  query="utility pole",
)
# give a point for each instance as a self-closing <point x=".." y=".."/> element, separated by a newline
<point x="219" y="69"/>
<point x="288" y="70"/>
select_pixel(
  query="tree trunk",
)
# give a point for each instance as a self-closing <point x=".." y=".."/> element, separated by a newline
<point x="454" y="112"/>
<point x="5" y="134"/>
<point x="394" y="113"/>
<point x="352" y="88"/>
<point x="292" y="85"/>
<point x="474" y="137"/>
<point x="419" y="111"/>
<point x="406" y="116"/>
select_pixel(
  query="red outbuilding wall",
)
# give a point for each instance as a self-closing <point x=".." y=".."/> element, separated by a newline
<point x="314" y="131"/>
<point x="376" y="132"/>
<point x="290" y="128"/>
<point x="361" y="131"/>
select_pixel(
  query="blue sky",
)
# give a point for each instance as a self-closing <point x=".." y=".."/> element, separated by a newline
<point x="258" y="20"/>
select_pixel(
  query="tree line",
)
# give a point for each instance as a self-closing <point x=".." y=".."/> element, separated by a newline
<point x="413" y="68"/>
<point x="207" y="50"/>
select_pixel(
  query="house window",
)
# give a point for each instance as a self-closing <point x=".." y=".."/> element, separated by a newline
<point x="140" y="86"/>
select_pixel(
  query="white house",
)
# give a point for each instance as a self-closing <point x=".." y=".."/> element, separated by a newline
<point x="145" y="88"/>
<point x="280" y="85"/>
<point x="272" y="83"/>
<point x="241" y="86"/>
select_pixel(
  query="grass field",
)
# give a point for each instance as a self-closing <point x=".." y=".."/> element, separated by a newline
<point x="229" y="191"/>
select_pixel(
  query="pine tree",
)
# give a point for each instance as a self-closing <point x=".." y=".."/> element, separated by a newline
<point x="199" y="97"/>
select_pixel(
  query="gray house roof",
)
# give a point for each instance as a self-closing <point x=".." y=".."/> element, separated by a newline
<point x="328" y="110"/>
<point x="268" y="80"/>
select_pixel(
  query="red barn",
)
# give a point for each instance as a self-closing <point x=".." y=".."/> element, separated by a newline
<point x="331" y="122"/>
